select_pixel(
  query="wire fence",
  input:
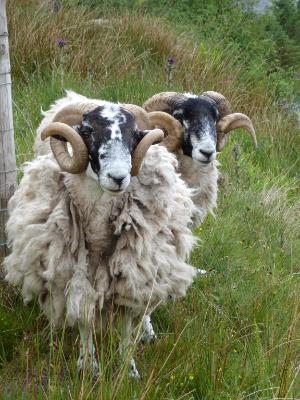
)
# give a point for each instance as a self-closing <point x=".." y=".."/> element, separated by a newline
<point x="23" y="133"/>
<point x="24" y="137"/>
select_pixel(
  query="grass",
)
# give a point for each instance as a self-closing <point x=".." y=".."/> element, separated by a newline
<point x="236" y="335"/>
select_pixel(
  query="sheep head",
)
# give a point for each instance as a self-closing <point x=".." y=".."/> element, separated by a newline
<point x="206" y="121"/>
<point x="106" y="142"/>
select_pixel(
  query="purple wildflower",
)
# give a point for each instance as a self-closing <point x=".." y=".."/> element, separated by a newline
<point x="171" y="61"/>
<point x="60" y="42"/>
<point x="170" y="67"/>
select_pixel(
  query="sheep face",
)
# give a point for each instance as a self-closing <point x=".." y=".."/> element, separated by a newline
<point x="198" y="118"/>
<point x="110" y="134"/>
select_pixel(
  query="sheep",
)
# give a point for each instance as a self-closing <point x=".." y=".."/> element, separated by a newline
<point x="200" y="126"/>
<point x="104" y="230"/>
<point x="205" y="122"/>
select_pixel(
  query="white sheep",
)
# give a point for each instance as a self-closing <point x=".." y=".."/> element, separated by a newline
<point x="205" y="122"/>
<point x="200" y="127"/>
<point x="87" y="238"/>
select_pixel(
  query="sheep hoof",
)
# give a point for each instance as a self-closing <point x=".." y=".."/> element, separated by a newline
<point x="148" y="334"/>
<point x="200" y="272"/>
<point x="148" y="337"/>
<point x="89" y="365"/>
<point x="172" y="297"/>
<point x="133" y="373"/>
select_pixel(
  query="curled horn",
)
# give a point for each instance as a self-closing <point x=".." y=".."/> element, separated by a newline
<point x="165" y="101"/>
<point x="156" y="135"/>
<point x="231" y="122"/>
<point x="159" y="106"/>
<point x="78" y="162"/>
<point x="228" y="121"/>
<point x="173" y="128"/>
<point x="152" y="120"/>
<point x="222" y="103"/>
<point x="153" y="136"/>
<point x="140" y="115"/>
<point x="70" y="115"/>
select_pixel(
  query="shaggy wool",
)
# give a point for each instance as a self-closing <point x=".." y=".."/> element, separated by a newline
<point x="79" y="250"/>
<point x="203" y="179"/>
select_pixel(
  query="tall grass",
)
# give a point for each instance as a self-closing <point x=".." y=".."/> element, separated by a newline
<point x="236" y="335"/>
<point x="132" y="48"/>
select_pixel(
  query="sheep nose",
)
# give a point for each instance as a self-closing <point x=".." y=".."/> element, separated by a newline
<point x="117" y="179"/>
<point x="206" y="153"/>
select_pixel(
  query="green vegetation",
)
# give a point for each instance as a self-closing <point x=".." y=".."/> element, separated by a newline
<point x="267" y="45"/>
<point x="236" y="335"/>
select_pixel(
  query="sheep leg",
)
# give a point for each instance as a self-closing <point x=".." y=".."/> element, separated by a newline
<point x="126" y="345"/>
<point x="148" y="334"/>
<point x="87" y="355"/>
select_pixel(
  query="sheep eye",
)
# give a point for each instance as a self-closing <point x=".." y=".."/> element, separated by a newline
<point x="86" y="129"/>
<point x="179" y="118"/>
<point x="87" y="132"/>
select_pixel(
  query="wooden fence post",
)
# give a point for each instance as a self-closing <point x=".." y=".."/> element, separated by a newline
<point x="7" y="144"/>
<point x="56" y="5"/>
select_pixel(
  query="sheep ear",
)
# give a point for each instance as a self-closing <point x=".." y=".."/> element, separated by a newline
<point x="84" y="130"/>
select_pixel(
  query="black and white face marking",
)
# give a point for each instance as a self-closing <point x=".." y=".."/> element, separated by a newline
<point x="198" y="116"/>
<point x="109" y="133"/>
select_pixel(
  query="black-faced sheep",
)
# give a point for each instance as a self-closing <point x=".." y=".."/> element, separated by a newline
<point x="200" y="126"/>
<point x="206" y="122"/>
<point x="104" y="228"/>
